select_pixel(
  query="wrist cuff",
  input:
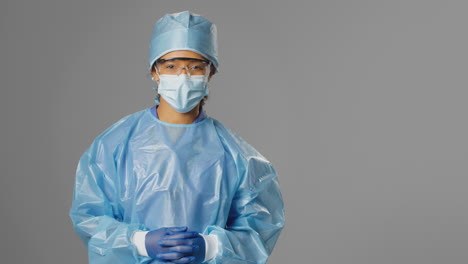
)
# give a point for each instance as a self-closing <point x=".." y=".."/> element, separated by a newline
<point x="211" y="247"/>
<point x="138" y="239"/>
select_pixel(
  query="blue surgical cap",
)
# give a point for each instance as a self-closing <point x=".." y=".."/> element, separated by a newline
<point x="184" y="31"/>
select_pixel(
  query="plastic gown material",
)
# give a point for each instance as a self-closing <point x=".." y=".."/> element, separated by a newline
<point x="144" y="174"/>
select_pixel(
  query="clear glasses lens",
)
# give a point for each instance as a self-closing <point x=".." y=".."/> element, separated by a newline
<point x="177" y="66"/>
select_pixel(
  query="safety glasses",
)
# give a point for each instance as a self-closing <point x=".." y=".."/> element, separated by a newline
<point x="175" y="66"/>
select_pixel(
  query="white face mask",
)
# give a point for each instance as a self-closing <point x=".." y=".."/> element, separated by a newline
<point x="183" y="92"/>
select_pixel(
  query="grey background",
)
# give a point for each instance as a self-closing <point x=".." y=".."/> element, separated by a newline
<point x="360" y="105"/>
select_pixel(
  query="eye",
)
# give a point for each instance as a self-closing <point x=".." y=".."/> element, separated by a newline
<point x="197" y="67"/>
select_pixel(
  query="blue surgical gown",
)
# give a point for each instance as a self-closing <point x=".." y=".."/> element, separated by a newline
<point x="143" y="174"/>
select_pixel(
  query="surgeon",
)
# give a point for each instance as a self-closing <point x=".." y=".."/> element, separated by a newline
<point x="169" y="184"/>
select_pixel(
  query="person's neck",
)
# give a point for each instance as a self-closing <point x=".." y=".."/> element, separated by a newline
<point x="167" y="114"/>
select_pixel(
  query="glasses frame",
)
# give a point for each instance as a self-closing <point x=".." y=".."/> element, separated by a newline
<point x="158" y="61"/>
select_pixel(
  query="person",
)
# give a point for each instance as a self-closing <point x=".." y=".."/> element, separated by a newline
<point x="170" y="184"/>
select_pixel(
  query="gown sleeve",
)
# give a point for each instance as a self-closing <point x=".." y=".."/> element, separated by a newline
<point x="256" y="216"/>
<point x="95" y="214"/>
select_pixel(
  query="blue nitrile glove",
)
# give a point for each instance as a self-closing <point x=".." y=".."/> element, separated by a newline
<point x="190" y="238"/>
<point x="179" y="253"/>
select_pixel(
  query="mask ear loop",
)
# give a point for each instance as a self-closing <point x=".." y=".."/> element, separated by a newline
<point x="207" y="75"/>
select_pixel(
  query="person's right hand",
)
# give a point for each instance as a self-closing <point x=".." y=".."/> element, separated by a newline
<point x="176" y="253"/>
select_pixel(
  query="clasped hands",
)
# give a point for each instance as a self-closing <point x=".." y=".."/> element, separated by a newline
<point x="175" y="245"/>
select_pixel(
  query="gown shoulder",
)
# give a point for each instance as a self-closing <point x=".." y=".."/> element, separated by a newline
<point x="118" y="131"/>
<point x="236" y="144"/>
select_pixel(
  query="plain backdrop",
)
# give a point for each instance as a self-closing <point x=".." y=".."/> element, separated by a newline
<point x="360" y="105"/>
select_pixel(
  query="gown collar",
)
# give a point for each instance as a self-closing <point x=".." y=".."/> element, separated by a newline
<point x="202" y="115"/>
